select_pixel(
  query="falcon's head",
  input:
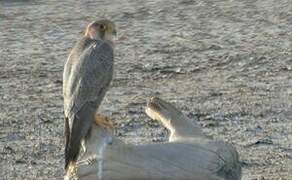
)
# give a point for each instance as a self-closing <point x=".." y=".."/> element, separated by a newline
<point x="102" y="29"/>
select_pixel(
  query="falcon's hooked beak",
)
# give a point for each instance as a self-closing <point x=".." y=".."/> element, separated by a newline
<point x="115" y="36"/>
<point x="115" y="33"/>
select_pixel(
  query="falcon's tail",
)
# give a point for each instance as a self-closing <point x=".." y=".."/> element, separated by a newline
<point x="72" y="152"/>
<point x="67" y="136"/>
<point x="81" y="123"/>
<point x="72" y="145"/>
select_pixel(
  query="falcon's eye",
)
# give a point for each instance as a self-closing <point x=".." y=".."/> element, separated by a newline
<point x="102" y="27"/>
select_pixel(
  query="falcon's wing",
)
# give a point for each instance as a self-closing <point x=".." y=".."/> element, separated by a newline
<point x="87" y="76"/>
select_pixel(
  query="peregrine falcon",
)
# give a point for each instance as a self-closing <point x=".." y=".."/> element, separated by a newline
<point x="86" y="78"/>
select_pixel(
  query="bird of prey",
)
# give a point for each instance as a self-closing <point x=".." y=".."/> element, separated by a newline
<point x="86" y="78"/>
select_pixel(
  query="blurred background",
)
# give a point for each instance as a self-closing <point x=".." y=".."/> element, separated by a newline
<point x="225" y="63"/>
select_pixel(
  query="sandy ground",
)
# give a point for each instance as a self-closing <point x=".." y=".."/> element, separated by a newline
<point x="225" y="63"/>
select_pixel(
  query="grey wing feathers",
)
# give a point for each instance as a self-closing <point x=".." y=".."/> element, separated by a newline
<point x="86" y="77"/>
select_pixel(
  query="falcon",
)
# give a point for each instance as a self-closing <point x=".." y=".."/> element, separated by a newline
<point x="86" y="79"/>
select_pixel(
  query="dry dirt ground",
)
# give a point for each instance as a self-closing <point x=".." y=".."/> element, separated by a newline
<point x="225" y="63"/>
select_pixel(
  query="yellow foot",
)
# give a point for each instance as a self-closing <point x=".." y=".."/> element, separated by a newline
<point x="103" y="121"/>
